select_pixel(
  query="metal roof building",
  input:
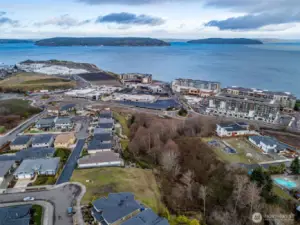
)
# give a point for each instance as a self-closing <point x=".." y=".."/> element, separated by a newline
<point x="146" y="217"/>
<point x="35" y="153"/>
<point x="15" y="215"/>
<point x="30" y="167"/>
<point x="115" y="207"/>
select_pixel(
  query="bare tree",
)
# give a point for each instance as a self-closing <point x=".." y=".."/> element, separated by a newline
<point x="254" y="197"/>
<point x="240" y="182"/>
<point x="169" y="159"/>
<point x="188" y="179"/>
<point x="202" y="195"/>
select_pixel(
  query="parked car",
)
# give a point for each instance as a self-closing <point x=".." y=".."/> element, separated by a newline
<point x="26" y="199"/>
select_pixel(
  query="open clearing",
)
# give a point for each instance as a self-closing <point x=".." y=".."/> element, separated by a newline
<point x="34" y="81"/>
<point x="103" y="181"/>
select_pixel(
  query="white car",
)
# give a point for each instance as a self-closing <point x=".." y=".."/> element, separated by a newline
<point x="26" y="199"/>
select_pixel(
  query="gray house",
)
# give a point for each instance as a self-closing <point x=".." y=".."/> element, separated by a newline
<point x="21" y="142"/>
<point x="64" y="123"/>
<point x="43" y="140"/>
<point x="115" y="208"/>
<point x="46" y="123"/>
<point x="146" y="217"/>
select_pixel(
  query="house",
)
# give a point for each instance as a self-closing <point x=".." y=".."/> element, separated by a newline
<point x="268" y="144"/>
<point x="100" y="159"/>
<point x="100" y="143"/>
<point x="115" y="209"/>
<point x="106" y="126"/>
<point x="106" y="120"/>
<point x="105" y="114"/>
<point x="98" y="130"/>
<point x="30" y="167"/>
<point x="35" y="153"/>
<point x="42" y="140"/>
<point x="16" y="215"/>
<point x="64" y="140"/>
<point x="146" y="217"/>
<point x="63" y="123"/>
<point x="6" y="168"/>
<point x="46" y="123"/>
<point x="53" y="110"/>
<point x="65" y="109"/>
<point x="233" y="129"/>
<point x="21" y="142"/>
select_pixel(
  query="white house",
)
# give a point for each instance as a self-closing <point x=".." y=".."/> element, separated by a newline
<point x="64" y="123"/>
<point x="233" y="129"/>
<point x="265" y="143"/>
<point x="43" y="140"/>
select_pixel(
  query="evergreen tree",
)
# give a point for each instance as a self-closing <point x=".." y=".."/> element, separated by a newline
<point x="295" y="166"/>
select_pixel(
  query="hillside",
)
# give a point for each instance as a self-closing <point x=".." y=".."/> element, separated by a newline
<point x="241" y="41"/>
<point x="101" y="41"/>
<point x="14" y="41"/>
<point x="23" y="82"/>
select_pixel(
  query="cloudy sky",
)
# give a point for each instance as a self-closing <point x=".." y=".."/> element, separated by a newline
<point x="188" y="19"/>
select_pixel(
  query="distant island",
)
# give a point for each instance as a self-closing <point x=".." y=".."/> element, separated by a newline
<point x="14" y="41"/>
<point x="240" y="41"/>
<point x="91" y="41"/>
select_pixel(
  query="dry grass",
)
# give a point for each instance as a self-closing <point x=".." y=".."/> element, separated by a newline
<point x="34" y="81"/>
<point x="107" y="180"/>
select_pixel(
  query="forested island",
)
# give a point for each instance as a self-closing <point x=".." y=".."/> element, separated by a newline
<point x="241" y="41"/>
<point x="14" y="41"/>
<point x="102" y="41"/>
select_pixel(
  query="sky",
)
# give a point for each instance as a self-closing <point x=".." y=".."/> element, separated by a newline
<point x="179" y="19"/>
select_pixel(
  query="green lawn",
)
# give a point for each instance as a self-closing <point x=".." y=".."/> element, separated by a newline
<point x="63" y="154"/>
<point x="122" y="120"/>
<point x="37" y="214"/>
<point x="103" y="181"/>
<point x="44" y="180"/>
<point x="124" y="143"/>
<point x="281" y="193"/>
<point x="239" y="157"/>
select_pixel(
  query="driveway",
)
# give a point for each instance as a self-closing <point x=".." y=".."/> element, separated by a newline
<point x="66" y="174"/>
<point x="61" y="198"/>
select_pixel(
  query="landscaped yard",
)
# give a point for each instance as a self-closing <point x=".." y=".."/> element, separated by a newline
<point x="37" y="214"/>
<point x="103" y="181"/>
<point x="281" y="193"/>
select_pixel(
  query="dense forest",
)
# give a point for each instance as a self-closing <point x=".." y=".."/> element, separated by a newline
<point x="242" y="41"/>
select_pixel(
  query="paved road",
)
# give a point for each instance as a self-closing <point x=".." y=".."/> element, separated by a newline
<point x="61" y="198"/>
<point x="13" y="133"/>
<point x="71" y="163"/>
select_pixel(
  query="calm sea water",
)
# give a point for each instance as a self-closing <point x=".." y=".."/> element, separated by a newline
<point x="269" y="66"/>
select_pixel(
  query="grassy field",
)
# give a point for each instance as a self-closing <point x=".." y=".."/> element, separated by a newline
<point x="123" y="121"/>
<point x="37" y="214"/>
<point x="239" y="157"/>
<point x="34" y="81"/>
<point x="281" y="193"/>
<point x="107" y="180"/>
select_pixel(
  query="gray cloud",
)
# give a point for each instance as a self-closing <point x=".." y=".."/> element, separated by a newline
<point x="131" y="2"/>
<point x="7" y="21"/>
<point x="254" y="21"/>
<point x="129" y="18"/>
<point x="63" y="21"/>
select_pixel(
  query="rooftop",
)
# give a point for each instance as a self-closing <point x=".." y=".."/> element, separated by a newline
<point x="192" y="80"/>
<point x="64" y="138"/>
<point x="46" y="121"/>
<point x="21" y="140"/>
<point x="98" y="130"/>
<point x="106" y="125"/>
<point x="116" y="206"/>
<point x="35" y="153"/>
<point x="67" y="107"/>
<point x="5" y="167"/>
<point x="103" y="137"/>
<point x="105" y="114"/>
<point x="41" y="139"/>
<point x="100" y="157"/>
<point x="15" y="215"/>
<point x="29" y="166"/>
<point x="232" y="127"/>
<point x="63" y="120"/>
<point x="106" y="120"/>
<point x="146" y="217"/>
<point x="98" y="145"/>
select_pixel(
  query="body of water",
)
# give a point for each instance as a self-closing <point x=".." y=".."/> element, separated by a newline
<point x="269" y="67"/>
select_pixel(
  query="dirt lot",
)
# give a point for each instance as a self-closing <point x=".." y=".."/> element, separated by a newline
<point x="290" y="139"/>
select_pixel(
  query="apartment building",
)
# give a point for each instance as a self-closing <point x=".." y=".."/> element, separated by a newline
<point x="136" y="78"/>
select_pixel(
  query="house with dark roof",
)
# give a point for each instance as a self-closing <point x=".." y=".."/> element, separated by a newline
<point x="64" y="123"/>
<point x="65" y="109"/>
<point x="100" y="159"/>
<point x="5" y="168"/>
<point x="15" y="215"/>
<point x="268" y="144"/>
<point x="100" y="143"/>
<point x="233" y="130"/>
<point x="146" y="217"/>
<point x="46" y="123"/>
<point x="115" y="209"/>
<point x="105" y="114"/>
<point x="35" y="153"/>
<point x="42" y="140"/>
<point x="21" y="142"/>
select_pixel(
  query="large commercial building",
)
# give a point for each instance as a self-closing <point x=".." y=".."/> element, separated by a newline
<point x="136" y="78"/>
<point x="196" y="87"/>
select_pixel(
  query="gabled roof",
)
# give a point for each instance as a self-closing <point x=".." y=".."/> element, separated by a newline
<point x="105" y="114"/>
<point x="5" y="166"/>
<point x="97" y="145"/>
<point x="106" y="120"/>
<point x="35" y="153"/>
<point x="46" y="121"/>
<point x="100" y="157"/>
<point x="21" y="140"/>
<point x="103" y="137"/>
<point x="116" y="206"/>
<point x="41" y="139"/>
<point x="63" y="120"/>
<point x="98" y="130"/>
<point x="231" y="127"/>
<point x="15" y="215"/>
<point x="64" y="138"/>
<point x="146" y="217"/>
<point x="29" y="166"/>
<point x="106" y="125"/>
